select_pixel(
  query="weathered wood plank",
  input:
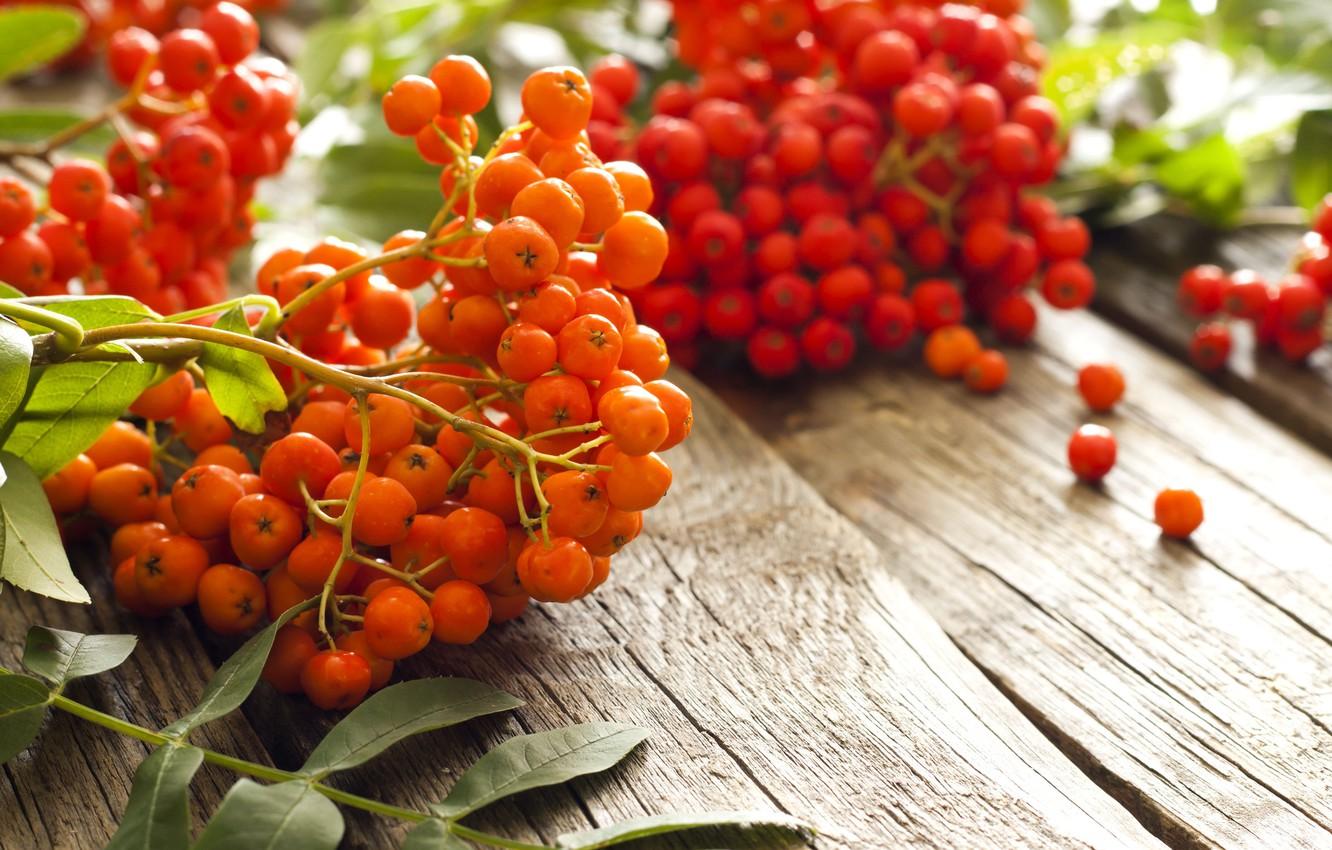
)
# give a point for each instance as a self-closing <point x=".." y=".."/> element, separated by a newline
<point x="69" y="789"/>
<point x="1190" y="680"/>
<point x="758" y="633"/>
<point x="1138" y="269"/>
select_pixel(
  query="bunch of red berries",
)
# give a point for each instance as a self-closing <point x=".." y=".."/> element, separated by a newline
<point x="161" y="218"/>
<point x="1287" y="316"/>
<point x="858" y="170"/>
<point x="425" y="486"/>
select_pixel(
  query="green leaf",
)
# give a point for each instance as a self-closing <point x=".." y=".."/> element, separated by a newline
<point x="400" y="711"/>
<point x="1311" y="161"/>
<point x="70" y="407"/>
<point x="1078" y="72"/>
<point x="15" y="363"/>
<point x="97" y="311"/>
<point x="34" y="556"/>
<point x="535" y="761"/>
<point x="1210" y="175"/>
<point x="433" y="834"/>
<point x="240" y="382"/>
<point x="35" y="125"/>
<point x="23" y="703"/>
<point x="325" y="45"/>
<point x="376" y="188"/>
<point x="632" y="830"/>
<point x="236" y="678"/>
<point x="286" y="816"/>
<point x="34" y="35"/>
<point x="157" y="816"/>
<point x="60" y="657"/>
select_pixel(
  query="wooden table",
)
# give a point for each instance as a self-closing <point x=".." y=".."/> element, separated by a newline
<point x="881" y="603"/>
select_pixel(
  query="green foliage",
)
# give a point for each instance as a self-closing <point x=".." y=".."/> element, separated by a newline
<point x="432" y="834"/>
<point x="535" y="761"/>
<point x="36" y="125"/>
<point x="34" y="556"/>
<point x="633" y="830"/>
<point x="1079" y="73"/>
<point x="60" y="657"/>
<point x="157" y="816"/>
<point x="289" y="815"/>
<point x="376" y="187"/>
<point x="241" y="383"/>
<point x="235" y="679"/>
<point x="1311" y="161"/>
<point x="34" y="35"/>
<point x="15" y="364"/>
<point x="397" y="713"/>
<point x="23" y="703"/>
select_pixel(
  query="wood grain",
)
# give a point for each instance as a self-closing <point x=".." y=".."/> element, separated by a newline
<point x="1191" y="680"/>
<point x="1138" y="269"/>
<point x="69" y="789"/>
<point x="758" y="634"/>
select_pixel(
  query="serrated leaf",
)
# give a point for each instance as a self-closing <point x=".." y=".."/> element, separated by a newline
<point x="157" y="816"/>
<point x="1311" y="160"/>
<point x="236" y="678"/>
<point x="535" y="761"/>
<point x="23" y="703"/>
<point x="400" y="711"/>
<point x="60" y="657"/>
<point x="241" y="382"/>
<point x="15" y="363"/>
<point x="34" y="557"/>
<point x="35" y="35"/>
<point x="70" y="406"/>
<point x="433" y="834"/>
<point x="632" y="830"/>
<point x="286" y="816"/>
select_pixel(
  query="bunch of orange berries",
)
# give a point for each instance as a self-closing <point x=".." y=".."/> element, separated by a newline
<point x="430" y="484"/>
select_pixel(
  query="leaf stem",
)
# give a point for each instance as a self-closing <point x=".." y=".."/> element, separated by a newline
<point x="68" y="333"/>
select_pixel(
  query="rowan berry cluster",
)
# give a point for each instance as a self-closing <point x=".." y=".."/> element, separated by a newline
<point x="430" y="484"/>
<point x="202" y="120"/>
<point x="1287" y="316"/>
<point x="856" y="171"/>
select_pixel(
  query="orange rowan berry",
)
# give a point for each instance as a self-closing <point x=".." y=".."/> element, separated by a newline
<point x="231" y="600"/>
<point x="526" y="351"/>
<point x="411" y="272"/>
<point x="67" y="488"/>
<point x="318" y="314"/>
<point x="635" y="419"/>
<point x="616" y="379"/>
<point x="1091" y="452"/>
<point x="311" y="562"/>
<point x="131" y="537"/>
<point x="493" y="490"/>
<point x="453" y="445"/>
<point x="126" y="588"/>
<point x="549" y="307"/>
<point x="423" y="472"/>
<point x="296" y="459"/>
<point x="338" y="254"/>
<point x="392" y="425"/>
<point x="463" y="84"/>
<point x="559" y="572"/>
<point x="604" y="303"/>
<point x="600" y="572"/>
<point x="381" y="669"/>
<point x="553" y="204"/>
<point x="635" y="185"/>
<point x="600" y="195"/>
<point x="462" y="132"/>
<point x="633" y="251"/>
<point x="636" y="483"/>
<point x="500" y="182"/>
<point x="252" y="483"/>
<point x="476" y="324"/>
<point x="949" y="349"/>
<point x="432" y="324"/>
<point x="284" y="593"/>
<point x="164" y="399"/>
<point x="263" y="529"/>
<point x="520" y="253"/>
<point x="351" y="460"/>
<point x="225" y="454"/>
<point x="679" y="411"/>
<point x="281" y="261"/>
<point x="167" y="570"/>
<point x="1101" y="386"/>
<point x="476" y="543"/>
<point x="421" y="550"/>
<point x="335" y="680"/>
<point x="1178" y="512"/>
<point x="202" y="499"/>
<point x="323" y="419"/>
<point x="461" y="612"/>
<point x="556" y="401"/>
<point x="381" y="584"/>
<point x="164" y="514"/>
<point x="123" y="493"/>
<point x="578" y="503"/>
<point x="558" y="101"/>
<point x="398" y="623"/>
<point x="410" y="104"/>
<point x="383" y="316"/>
<point x="506" y="607"/>
<point x="200" y="424"/>
<point x="987" y="372"/>
<point x="589" y="347"/>
<point x="293" y="647"/>
<point x="384" y="512"/>
<point x="121" y="442"/>
<point x="616" y="531"/>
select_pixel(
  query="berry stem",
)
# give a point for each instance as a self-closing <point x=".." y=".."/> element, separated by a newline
<point x="348" y="544"/>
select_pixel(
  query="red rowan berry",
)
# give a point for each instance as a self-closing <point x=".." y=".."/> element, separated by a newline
<point x="1091" y="452"/>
